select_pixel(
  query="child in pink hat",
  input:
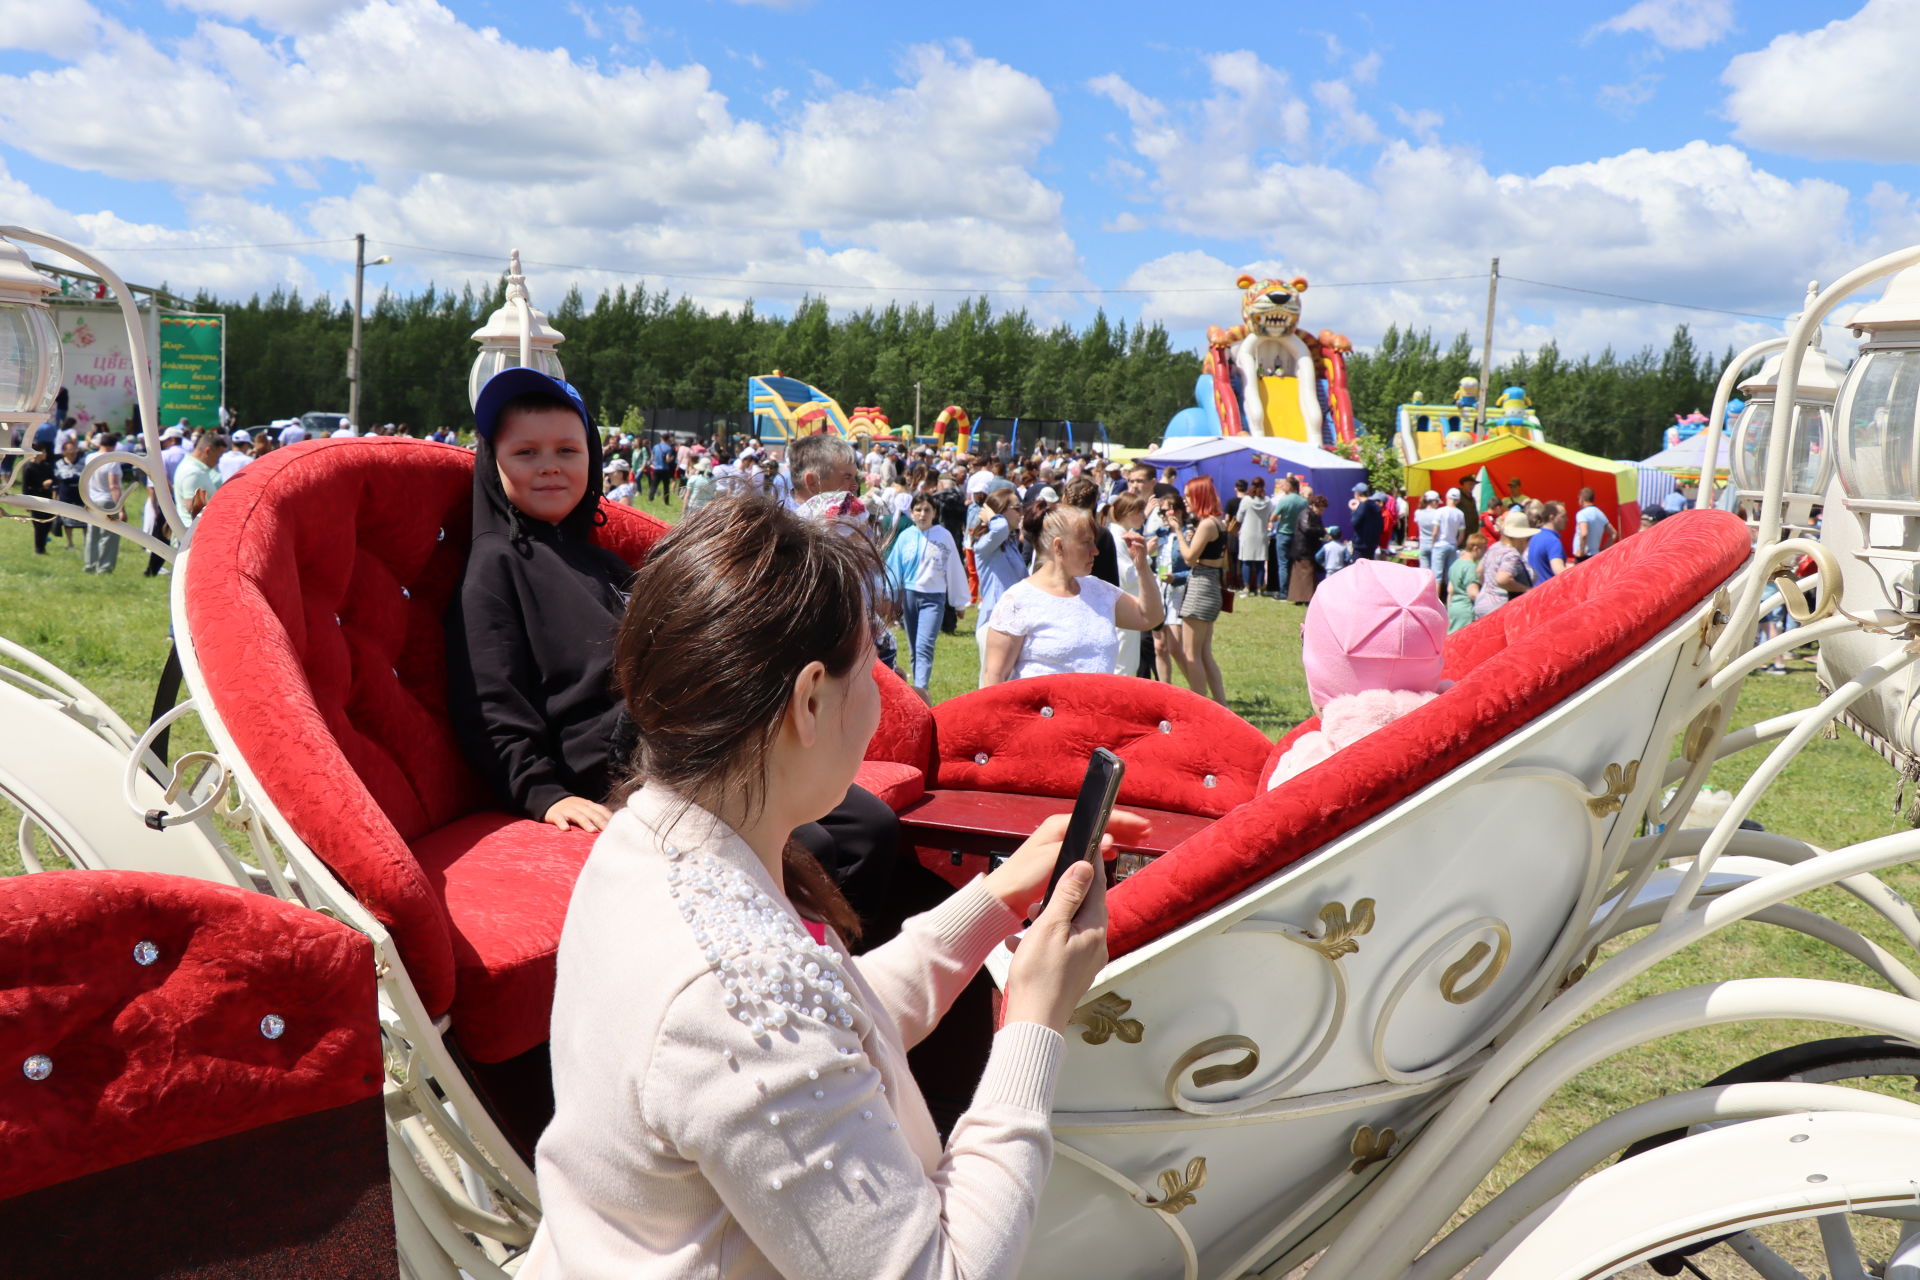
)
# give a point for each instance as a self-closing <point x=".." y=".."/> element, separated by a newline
<point x="1372" y="653"/>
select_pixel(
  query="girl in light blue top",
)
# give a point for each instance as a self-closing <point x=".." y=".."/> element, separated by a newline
<point x="924" y="566"/>
<point x="997" y="559"/>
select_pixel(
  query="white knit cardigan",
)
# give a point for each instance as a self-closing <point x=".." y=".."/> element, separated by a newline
<point x="733" y="1098"/>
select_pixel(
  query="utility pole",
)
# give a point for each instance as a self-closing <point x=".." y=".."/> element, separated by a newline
<point x="916" y="410"/>
<point x="1486" y="349"/>
<point x="360" y="265"/>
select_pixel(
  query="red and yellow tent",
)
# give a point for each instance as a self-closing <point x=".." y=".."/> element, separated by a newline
<point x="1549" y="472"/>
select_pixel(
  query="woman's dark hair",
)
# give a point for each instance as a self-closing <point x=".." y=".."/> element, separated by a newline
<point x="921" y="500"/>
<point x="725" y="613"/>
<point x="1000" y="501"/>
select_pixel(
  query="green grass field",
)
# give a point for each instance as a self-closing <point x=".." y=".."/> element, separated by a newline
<point x="111" y="633"/>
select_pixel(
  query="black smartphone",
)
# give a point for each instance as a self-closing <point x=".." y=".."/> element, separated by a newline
<point x="1098" y="790"/>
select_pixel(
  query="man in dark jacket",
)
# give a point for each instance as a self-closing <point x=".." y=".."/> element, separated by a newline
<point x="950" y="513"/>
<point x="1368" y="523"/>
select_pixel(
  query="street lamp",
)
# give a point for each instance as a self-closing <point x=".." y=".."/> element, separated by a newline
<point x="517" y="335"/>
<point x="360" y="265"/>
<point x="31" y="367"/>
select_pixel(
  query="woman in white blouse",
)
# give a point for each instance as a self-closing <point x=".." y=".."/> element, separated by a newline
<point x="924" y="565"/>
<point x="731" y="1087"/>
<point x="1062" y="619"/>
<point x="1127" y="514"/>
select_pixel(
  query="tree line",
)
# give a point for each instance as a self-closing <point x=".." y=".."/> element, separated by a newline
<point x="632" y="351"/>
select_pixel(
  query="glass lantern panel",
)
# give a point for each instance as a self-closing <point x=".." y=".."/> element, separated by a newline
<point x="492" y="360"/>
<point x="27" y="341"/>
<point x="1749" y="461"/>
<point x="1806" y="448"/>
<point x="1878" y="436"/>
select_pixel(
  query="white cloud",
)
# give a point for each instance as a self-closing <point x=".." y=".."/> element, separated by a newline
<point x="1697" y="223"/>
<point x="1125" y="220"/>
<point x="1675" y="24"/>
<point x="275" y="15"/>
<point x="473" y="142"/>
<point x="1844" y="91"/>
<point x="63" y="30"/>
<point x="1624" y="99"/>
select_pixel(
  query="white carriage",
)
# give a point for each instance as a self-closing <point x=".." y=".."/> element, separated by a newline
<point x="1333" y="1005"/>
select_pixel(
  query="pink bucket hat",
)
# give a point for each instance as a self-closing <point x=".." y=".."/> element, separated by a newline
<point x="1373" y="625"/>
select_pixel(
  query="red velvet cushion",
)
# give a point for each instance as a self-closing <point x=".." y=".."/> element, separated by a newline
<point x="1035" y="736"/>
<point x="1512" y="667"/>
<point x="153" y="1058"/>
<point x="897" y="785"/>
<point x="905" y="735"/>
<point x="505" y="882"/>
<point x="316" y="594"/>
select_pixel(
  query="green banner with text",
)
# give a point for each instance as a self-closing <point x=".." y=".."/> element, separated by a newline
<point x="193" y="353"/>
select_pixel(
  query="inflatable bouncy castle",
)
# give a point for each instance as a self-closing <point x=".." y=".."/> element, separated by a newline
<point x="784" y="407"/>
<point x="1266" y="376"/>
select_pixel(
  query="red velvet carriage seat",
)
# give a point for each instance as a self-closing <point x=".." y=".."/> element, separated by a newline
<point x="190" y="1078"/>
<point x="1187" y="756"/>
<point x="315" y="594"/>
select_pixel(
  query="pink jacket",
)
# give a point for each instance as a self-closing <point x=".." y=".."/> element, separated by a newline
<point x="1343" y="722"/>
<point x="733" y="1098"/>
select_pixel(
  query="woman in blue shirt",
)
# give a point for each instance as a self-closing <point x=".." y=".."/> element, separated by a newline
<point x="998" y="559"/>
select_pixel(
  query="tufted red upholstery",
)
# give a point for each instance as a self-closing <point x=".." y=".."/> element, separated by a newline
<point x="895" y="785"/>
<point x="149" y="1059"/>
<point x="1031" y="752"/>
<point x="906" y="731"/>
<point x="316" y="591"/>
<point x="1512" y="667"/>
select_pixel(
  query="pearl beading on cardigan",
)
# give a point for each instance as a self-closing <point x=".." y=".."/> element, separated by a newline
<point x="770" y="969"/>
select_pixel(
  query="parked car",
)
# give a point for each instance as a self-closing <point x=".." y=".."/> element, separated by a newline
<point x="321" y="425"/>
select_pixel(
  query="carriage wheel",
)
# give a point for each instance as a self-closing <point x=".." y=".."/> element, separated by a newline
<point x="1852" y="1243"/>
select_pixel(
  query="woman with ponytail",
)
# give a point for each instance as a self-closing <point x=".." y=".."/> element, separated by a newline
<point x="731" y="1086"/>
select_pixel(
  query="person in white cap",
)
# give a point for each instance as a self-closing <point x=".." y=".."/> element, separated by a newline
<point x="1503" y="570"/>
<point x="293" y="433"/>
<point x="234" y="459"/>
<point x="173" y="443"/>
<point x="1441" y="529"/>
<point x="619" y="480"/>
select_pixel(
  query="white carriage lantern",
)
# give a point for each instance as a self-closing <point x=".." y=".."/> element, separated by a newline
<point x="1879" y="440"/>
<point x="1809" y="439"/>
<point x="517" y="335"/>
<point x="31" y="368"/>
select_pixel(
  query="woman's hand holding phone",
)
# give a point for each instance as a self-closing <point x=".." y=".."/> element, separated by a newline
<point x="1056" y="960"/>
<point x="1021" y="880"/>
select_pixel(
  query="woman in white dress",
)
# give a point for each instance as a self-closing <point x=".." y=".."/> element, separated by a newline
<point x="1125" y="516"/>
<point x="1254" y="513"/>
<point x="1062" y="619"/>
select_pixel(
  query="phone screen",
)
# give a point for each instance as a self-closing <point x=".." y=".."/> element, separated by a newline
<point x="1098" y="790"/>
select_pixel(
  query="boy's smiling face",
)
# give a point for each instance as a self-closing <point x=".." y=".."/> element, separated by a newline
<point x="541" y="455"/>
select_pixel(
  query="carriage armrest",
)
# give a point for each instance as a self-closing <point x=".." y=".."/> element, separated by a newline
<point x="957" y="832"/>
<point x="173" y="1045"/>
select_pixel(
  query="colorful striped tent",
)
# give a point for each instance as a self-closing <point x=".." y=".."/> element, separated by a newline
<point x="1549" y="472"/>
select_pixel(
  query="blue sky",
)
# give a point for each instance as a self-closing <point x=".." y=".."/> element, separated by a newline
<point x="1132" y="156"/>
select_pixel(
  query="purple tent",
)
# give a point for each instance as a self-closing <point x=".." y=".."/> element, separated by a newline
<point x="1225" y="459"/>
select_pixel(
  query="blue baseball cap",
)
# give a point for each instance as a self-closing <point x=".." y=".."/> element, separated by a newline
<point x="510" y="384"/>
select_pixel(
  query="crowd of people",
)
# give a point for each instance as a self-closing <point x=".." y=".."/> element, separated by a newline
<point x="60" y="466"/>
